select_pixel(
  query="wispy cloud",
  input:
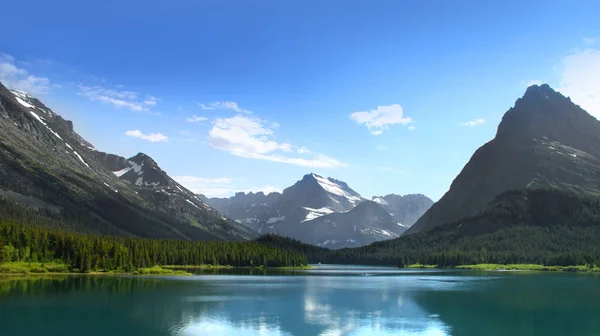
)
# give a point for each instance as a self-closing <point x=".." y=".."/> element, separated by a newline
<point x="250" y="137"/>
<point x="579" y="74"/>
<point x="227" y="105"/>
<point x="18" y="78"/>
<point x="589" y="40"/>
<point x="195" y="119"/>
<point x="152" y="137"/>
<point x="381" y="118"/>
<point x="411" y="128"/>
<point x="218" y="187"/>
<point x="473" y="122"/>
<point x="118" y="98"/>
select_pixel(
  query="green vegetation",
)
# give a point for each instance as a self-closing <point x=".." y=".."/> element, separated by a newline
<point x="420" y="266"/>
<point x="157" y="270"/>
<point x="21" y="267"/>
<point x="25" y="248"/>
<point x="531" y="267"/>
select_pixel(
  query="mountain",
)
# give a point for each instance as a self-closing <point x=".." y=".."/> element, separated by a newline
<point x="545" y="140"/>
<point x="46" y="165"/>
<point x="404" y="209"/>
<point x="322" y="211"/>
<point x="366" y="223"/>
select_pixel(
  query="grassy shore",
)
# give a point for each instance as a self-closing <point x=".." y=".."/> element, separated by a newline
<point x="27" y="268"/>
<point x="531" y="267"/>
<point x="38" y="268"/>
<point x="420" y="266"/>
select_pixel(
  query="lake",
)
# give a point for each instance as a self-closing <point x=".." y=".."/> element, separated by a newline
<point x="326" y="300"/>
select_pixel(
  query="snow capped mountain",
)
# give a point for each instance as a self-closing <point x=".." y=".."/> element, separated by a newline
<point x="317" y="210"/>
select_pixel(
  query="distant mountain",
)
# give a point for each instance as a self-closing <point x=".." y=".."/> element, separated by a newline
<point x="405" y="209"/>
<point x="545" y="140"/>
<point x="366" y="223"/>
<point x="321" y="211"/>
<point x="45" y="164"/>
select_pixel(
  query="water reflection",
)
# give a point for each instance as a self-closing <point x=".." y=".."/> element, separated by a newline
<point x="410" y="303"/>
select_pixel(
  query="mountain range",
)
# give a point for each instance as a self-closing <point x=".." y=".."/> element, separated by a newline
<point x="46" y="165"/>
<point x="325" y="212"/>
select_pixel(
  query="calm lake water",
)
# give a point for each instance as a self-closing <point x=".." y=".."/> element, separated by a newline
<point x="330" y="300"/>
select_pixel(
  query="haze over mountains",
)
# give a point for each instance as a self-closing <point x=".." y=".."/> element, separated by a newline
<point x="45" y="164"/>
<point x="325" y="212"/>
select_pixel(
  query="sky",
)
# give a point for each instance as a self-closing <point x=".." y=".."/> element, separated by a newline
<point x="227" y="96"/>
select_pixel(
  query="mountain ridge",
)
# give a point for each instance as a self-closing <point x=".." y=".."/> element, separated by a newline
<point x="45" y="161"/>
<point x="544" y="140"/>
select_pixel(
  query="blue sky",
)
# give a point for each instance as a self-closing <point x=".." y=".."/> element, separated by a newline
<point x="389" y="96"/>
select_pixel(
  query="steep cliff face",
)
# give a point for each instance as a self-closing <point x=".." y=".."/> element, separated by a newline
<point x="545" y="140"/>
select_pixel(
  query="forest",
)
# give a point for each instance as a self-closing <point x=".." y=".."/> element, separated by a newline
<point x="88" y="252"/>
<point x="533" y="226"/>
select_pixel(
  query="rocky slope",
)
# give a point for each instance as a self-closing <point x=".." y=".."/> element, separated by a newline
<point x="405" y="209"/>
<point x="545" y="140"/>
<point x="45" y="164"/>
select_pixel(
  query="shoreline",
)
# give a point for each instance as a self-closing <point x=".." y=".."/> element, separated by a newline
<point x="33" y="269"/>
<point x="588" y="269"/>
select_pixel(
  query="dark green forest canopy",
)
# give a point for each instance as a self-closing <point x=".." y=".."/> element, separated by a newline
<point x="40" y="236"/>
<point x="541" y="226"/>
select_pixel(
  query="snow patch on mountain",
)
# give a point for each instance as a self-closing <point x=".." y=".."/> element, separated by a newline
<point x="81" y="159"/>
<point x="24" y="103"/>
<point x="316" y="213"/>
<point x="380" y="200"/>
<point x="136" y="167"/>
<point x="335" y="189"/>
<point x="122" y="172"/>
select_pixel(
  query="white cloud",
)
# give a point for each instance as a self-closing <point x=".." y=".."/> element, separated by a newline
<point x="18" y="78"/>
<point x="579" y="79"/>
<point x="473" y="122"/>
<point x="196" y="118"/>
<point x="217" y="187"/>
<point x="118" y="98"/>
<point x="227" y="105"/>
<point x="303" y="150"/>
<point x="411" y="128"/>
<point x="589" y="40"/>
<point x="248" y="137"/>
<point x="152" y="137"/>
<point x="379" y="119"/>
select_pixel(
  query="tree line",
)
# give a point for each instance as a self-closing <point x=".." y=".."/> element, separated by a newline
<point x="86" y="252"/>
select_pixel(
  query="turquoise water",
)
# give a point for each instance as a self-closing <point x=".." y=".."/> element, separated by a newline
<point x="324" y="301"/>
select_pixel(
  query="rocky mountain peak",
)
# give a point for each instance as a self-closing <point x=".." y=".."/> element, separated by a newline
<point x="545" y="113"/>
